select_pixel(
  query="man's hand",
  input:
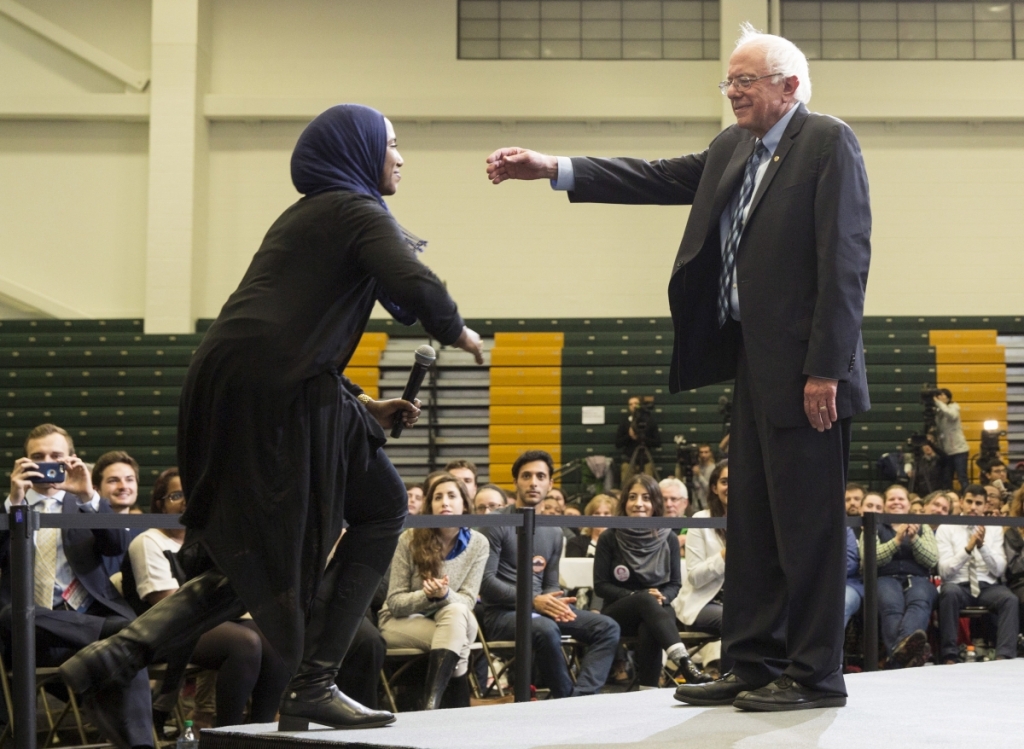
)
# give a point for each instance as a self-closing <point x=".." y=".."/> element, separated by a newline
<point x="820" y="402"/>
<point x="470" y="341"/>
<point x="555" y="605"/>
<point x="520" y="163"/>
<point x="21" y="479"/>
<point x="977" y="539"/>
<point x="632" y="434"/>
<point x="384" y="411"/>
<point x="79" y="480"/>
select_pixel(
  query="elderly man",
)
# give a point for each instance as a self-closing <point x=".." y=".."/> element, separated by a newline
<point x="767" y="287"/>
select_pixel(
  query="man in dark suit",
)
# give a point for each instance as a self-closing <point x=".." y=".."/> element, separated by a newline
<point x="767" y="287"/>
<point x="76" y="604"/>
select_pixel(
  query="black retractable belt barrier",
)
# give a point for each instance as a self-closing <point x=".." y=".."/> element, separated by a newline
<point x="524" y="605"/>
<point x="23" y="522"/>
<point x="870" y="535"/>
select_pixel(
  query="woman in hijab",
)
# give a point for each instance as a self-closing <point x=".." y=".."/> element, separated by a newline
<point x="277" y="447"/>
<point x="637" y="573"/>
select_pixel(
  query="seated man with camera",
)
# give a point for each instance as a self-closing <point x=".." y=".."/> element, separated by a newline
<point x="75" y="602"/>
<point x="638" y="434"/>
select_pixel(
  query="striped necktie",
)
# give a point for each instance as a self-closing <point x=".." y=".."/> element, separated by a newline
<point x="46" y="566"/>
<point x="736" y="224"/>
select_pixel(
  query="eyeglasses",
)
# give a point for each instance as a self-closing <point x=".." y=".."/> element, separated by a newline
<point x="743" y="83"/>
<point x="176" y="496"/>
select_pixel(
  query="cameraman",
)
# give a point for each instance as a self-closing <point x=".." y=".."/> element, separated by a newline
<point x="701" y="473"/>
<point x="637" y="430"/>
<point x="951" y="437"/>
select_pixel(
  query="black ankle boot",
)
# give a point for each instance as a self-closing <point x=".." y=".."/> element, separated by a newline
<point x="457" y="694"/>
<point x="439" y="672"/>
<point x="690" y="672"/>
<point x="312" y="696"/>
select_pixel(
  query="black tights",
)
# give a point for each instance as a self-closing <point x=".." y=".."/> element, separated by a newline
<point x="641" y="616"/>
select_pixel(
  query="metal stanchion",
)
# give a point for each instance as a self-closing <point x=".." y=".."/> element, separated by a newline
<point x="869" y="533"/>
<point x="23" y="523"/>
<point x="524" y="605"/>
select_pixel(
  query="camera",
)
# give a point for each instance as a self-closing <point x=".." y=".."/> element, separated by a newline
<point x="640" y="419"/>
<point x="686" y="454"/>
<point x="53" y="473"/>
<point x="928" y="396"/>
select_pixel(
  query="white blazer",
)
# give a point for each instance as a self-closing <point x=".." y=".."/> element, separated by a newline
<point x="705" y="571"/>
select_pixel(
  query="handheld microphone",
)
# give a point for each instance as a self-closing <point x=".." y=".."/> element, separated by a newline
<point x="425" y="356"/>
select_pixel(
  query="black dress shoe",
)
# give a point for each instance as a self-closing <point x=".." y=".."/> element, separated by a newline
<point x="329" y="708"/>
<point x="912" y="650"/>
<point x="719" y="692"/>
<point x="785" y="694"/>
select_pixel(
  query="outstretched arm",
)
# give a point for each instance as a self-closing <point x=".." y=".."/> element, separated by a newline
<point x="520" y="163"/>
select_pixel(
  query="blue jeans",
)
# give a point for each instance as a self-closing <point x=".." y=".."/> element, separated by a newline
<point x="853" y="600"/>
<point x="903" y="611"/>
<point x="598" y="633"/>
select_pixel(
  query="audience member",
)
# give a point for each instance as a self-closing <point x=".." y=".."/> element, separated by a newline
<point x="999" y="475"/>
<point x="636" y="573"/>
<point x="585" y="544"/>
<point x="854" y="581"/>
<point x="993" y="501"/>
<point x="699" y="604"/>
<point x="465" y="470"/>
<point x="917" y="507"/>
<point x="489" y="498"/>
<point x="951" y="438"/>
<point x="75" y="602"/>
<point x="954" y="502"/>
<point x="1013" y="545"/>
<point x="677" y="504"/>
<point x="246" y="664"/>
<point x="555" y="614"/>
<point x="559" y="496"/>
<point x="435" y="580"/>
<point x="971" y="560"/>
<point x="936" y="503"/>
<point x="854" y="497"/>
<point x="906" y="555"/>
<point x="872" y="502"/>
<point x="927" y="469"/>
<point x="573" y="510"/>
<point x="549" y="506"/>
<point x="115" y="476"/>
<point x="415" y="493"/>
<point x="702" y="476"/>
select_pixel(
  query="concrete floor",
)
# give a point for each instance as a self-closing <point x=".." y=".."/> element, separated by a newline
<point x="968" y="706"/>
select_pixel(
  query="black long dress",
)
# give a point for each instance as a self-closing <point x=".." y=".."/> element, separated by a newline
<point x="269" y="430"/>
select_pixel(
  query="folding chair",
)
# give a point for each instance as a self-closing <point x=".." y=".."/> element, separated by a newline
<point x="45" y="676"/>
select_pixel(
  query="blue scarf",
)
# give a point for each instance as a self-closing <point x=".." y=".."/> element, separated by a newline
<point x="343" y="148"/>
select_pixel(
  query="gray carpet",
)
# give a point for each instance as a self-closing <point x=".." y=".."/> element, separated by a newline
<point x="976" y="706"/>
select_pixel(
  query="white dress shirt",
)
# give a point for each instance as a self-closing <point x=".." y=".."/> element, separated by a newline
<point x="954" y="562"/>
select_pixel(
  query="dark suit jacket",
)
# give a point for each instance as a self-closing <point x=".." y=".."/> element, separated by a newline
<point x="84" y="550"/>
<point x="802" y="263"/>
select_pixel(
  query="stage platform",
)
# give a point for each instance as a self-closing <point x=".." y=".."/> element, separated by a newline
<point x="976" y="705"/>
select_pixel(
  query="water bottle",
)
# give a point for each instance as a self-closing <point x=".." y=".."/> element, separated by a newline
<point x="188" y="739"/>
<point x="970" y="658"/>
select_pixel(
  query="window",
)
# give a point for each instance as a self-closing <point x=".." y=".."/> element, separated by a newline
<point x="588" y="29"/>
<point x="912" y="30"/>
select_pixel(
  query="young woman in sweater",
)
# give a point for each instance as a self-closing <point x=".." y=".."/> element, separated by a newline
<point x="435" y="579"/>
<point x="637" y="573"/>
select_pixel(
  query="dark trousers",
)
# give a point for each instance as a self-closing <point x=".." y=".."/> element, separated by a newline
<point x="709" y="620"/>
<point x="598" y="633"/>
<point x="996" y="598"/>
<point x="785" y="580"/>
<point x="61" y="634"/>
<point x="955" y="464"/>
<point x="641" y="616"/>
<point x="904" y="606"/>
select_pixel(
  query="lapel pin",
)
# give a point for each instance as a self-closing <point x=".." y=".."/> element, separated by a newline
<point x="776" y="158"/>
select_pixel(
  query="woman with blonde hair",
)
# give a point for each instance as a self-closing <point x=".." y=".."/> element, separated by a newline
<point x="585" y="544"/>
<point x="435" y="579"/>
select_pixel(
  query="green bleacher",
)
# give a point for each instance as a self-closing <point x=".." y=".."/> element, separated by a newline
<point x="115" y="387"/>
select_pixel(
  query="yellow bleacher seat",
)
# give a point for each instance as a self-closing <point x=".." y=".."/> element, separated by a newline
<point x="527" y="376"/>
<point x="950" y="374"/>
<point x="962" y="337"/>
<point x="507" y="454"/>
<point x="525" y="396"/>
<point x="986" y="392"/>
<point x="534" y="434"/>
<point x="526" y="356"/>
<point x="374" y="340"/>
<point x="526" y="415"/>
<point x="970" y="355"/>
<point x="529" y="340"/>
<point x="364" y="377"/>
<point x="971" y="411"/>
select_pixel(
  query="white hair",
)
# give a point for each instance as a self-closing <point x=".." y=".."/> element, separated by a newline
<point x="675" y="483"/>
<point x="781" y="56"/>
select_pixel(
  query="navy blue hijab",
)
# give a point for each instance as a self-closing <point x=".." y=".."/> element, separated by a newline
<point x="343" y="148"/>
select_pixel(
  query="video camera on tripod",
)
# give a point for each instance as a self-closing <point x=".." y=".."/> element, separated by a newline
<point x="640" y="419"/>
